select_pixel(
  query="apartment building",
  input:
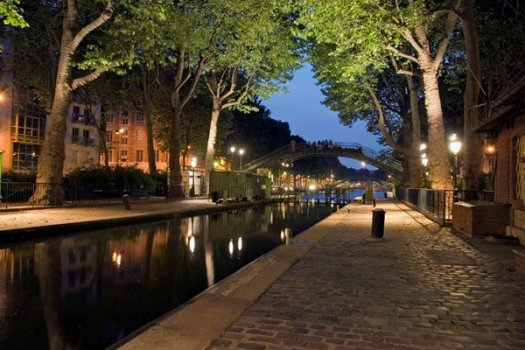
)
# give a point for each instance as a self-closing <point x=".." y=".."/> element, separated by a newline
<point x="126" y="141"/>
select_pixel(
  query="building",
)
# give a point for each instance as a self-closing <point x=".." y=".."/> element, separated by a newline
<point x="23" y="127"/>
<point x="504" y="127"/>
<point x="125" y="139"/>
<point x="82" y="136"/>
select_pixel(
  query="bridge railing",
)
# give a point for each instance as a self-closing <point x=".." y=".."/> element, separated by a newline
<point x="357" y="150"/>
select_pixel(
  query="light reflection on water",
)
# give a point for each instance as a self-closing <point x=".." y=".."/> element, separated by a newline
<point x="90" y="290"/>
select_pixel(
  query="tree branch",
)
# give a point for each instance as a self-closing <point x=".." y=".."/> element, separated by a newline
<point x="381" y="123"/>
<point x="442" y="47"/>
<point x="86" y="79"/>
<point x="100" y="20"/>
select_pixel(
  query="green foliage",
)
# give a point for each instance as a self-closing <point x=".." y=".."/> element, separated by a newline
<point x="112" y="179"/>
<point x="11" y="14"/>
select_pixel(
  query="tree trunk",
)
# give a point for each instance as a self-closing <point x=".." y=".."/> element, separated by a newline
<point x="212" y="138"/>
<point x="51" y="161"/>
<point x="47" y="267"/>
<point x="438" y="157"/>
<point x="415" y="166"/>
<point x="472" y="142"/>
<point x="175" y="189"/>
<point x="150" y="148"/>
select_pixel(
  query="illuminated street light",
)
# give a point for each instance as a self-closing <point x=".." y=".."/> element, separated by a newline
<point x="455" y="148"/>
<point x="422" y="147"/>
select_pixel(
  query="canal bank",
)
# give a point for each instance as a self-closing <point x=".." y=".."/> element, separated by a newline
<point x="333" y="288"/>
<point x="20" y="225"/>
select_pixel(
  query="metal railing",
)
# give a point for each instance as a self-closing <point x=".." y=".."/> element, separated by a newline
<point x="438" y="203"/>
<point x="21" y="194"/>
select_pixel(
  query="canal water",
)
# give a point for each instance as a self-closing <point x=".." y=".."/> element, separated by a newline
<point x="89" y="290"/>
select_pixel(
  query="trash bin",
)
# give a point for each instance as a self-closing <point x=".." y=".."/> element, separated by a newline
<point x="126" y="200"/>
<point x="378" y="223"/>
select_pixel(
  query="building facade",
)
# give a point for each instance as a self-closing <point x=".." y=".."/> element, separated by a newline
<point x="504" y="148"/>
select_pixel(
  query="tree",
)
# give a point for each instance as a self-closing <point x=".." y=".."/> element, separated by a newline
<point x="246" y="65"/>
<point x="387" y="101"/>
<point x="411" y="32"/>
<point x="69" y="53"/>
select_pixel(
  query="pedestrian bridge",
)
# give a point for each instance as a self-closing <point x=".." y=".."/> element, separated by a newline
<point x="295" y="151"/>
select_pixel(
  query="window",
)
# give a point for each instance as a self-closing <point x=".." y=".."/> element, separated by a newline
<point x="109" y="118"/>
<point x="85" y="137"/>
<point x="124" y="140"/>
<point x="124" y="118"/>
<point x="138" y="135"/>
<point x="157" y="155"/>
<point x="109" y="135"/>
<point x="76" y="110"/>
<point x="86" y="112"/>
<point x="124" y="155"/>
<point x="31" y="127"/>
<point x="140" y="156"/>
<point x="25" y="156"/>
<point x="74" y="135"/>
<point x="110" y="156"/>
<point x="139" y="117"/>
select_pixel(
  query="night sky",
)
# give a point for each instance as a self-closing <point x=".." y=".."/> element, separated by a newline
<point x="303" y="109"/>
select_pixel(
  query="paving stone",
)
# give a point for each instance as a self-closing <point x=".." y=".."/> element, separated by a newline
<point x="417" y="289"/>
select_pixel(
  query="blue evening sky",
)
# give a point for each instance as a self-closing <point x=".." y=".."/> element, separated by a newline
<point x="309" y="118"/>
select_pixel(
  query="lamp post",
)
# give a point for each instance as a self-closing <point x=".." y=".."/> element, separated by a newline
<point x="232" y="150"/>
<point x="424" y="162"/>
<point x="455" y="147"/>
<point x="193" y="164"/>
<point x="241" y="152"/>
<point x="1" y="165"/>
<point x="119" y="132"/>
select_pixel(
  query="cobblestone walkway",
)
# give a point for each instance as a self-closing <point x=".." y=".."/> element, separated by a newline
<point x="421" y="288"/>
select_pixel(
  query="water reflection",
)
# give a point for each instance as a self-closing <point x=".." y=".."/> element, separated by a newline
<point x="88" y="291"/>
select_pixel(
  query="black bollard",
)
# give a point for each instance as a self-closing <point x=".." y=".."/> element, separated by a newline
<point x="126" y="200"/>
<point x="378" y="223"/>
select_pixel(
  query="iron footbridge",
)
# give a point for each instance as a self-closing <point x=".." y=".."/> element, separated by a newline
<point x="295" y="151"/>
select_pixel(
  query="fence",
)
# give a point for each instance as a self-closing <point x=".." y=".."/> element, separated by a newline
<point x="438" y="203"/>
<point x="19" y="194"/>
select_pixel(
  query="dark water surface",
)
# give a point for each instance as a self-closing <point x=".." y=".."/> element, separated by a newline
<point x="90" y="290"/>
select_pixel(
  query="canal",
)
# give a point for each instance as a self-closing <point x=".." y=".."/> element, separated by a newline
<point x="89" y="290"/>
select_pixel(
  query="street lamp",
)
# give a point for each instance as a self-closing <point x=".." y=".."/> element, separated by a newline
<point x="241" y="152"/>
<point x="119" y="132"/>
<point x="193" y="164"/>
<point x="424" y="161"/>
<point x="455" y="147"/>
<point x="1" y="165"/>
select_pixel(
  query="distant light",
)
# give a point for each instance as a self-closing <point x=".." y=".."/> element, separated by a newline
<point x="232" y="149"/>
<point x="241" y="151"/>
<point x="193" y="162"/>
<point x="363" y="164"/>
<point x="422" y="146"/>
<point x="491" y="149"/>
<point x="312" y="187"/>
<point x="424" y="161"/>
